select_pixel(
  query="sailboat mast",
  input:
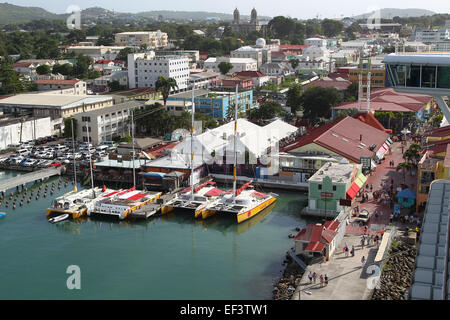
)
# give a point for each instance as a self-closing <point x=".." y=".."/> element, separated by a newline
<point x="74" y="162"/>
<point x="234" y="143"/>
<point x="90" y="160"/>
<point x="192" y="144"/>
<point x="132" y="143"/>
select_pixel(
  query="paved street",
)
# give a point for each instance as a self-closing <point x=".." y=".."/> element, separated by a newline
<point x="347" y="277"/>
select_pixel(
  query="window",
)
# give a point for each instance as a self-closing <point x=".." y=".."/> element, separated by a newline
<point x="428" y="77"/>
<point x="319" y="187"/>
<point x="334" y="188"/>
<point x="443" y="77"/>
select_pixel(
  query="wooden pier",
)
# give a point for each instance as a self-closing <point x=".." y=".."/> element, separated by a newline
<point x="29" y="177"/>
<point x="152" y="208"/>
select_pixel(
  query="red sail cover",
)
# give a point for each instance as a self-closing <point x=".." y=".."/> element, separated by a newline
<point x="137" y="196"/>
<point x="259" y="194"/>
<point x="238" y="191"/>
<point x="214" y="192"/>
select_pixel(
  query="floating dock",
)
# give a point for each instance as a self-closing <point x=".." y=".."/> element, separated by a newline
<point x="151" y="209"/>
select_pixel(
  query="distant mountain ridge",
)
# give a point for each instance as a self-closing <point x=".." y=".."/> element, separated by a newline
<point x="10" y="13"/>
<point x="389" y="13"/>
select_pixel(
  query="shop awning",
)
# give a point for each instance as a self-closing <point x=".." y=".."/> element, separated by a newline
<point x="360" y="179"/>
<point x="352" y="191"/>
<point x="380" y="153"/>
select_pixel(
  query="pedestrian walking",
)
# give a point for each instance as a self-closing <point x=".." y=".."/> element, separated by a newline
<point x="368" y="240"/>
<point x="352" y="252"/>
<point x="321" y="280"/>
<point x="310" y="276"/>
<point x="362" y="242"/>
<point x="346" y="251"/>
<point x="326" y="279"/>
<point x="371" y="187"/>
<point x="314" y="277"/>
<point x="363" y="261"/>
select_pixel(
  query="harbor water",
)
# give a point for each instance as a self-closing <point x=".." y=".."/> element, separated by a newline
<point x="168" y="257"/>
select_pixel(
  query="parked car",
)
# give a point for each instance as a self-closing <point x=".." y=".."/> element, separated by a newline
<point x="55" y="163"/>
<point x="363" y="217"/>
<point x="30" y="162"/>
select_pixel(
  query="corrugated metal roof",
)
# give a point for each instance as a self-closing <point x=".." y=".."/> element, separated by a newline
<point x="432" y="257"/>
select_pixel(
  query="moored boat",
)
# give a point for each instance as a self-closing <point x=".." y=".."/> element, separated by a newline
<point x="59" y="218"/>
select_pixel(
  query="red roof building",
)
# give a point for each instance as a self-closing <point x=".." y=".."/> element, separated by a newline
<point x="386" y="99"/>
<point x="347" y="137"/>
<point x="313" y="239"/>
<point x="329" y="83"/>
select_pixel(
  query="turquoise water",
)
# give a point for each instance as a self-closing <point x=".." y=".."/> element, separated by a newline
<point x="170" y="257"/>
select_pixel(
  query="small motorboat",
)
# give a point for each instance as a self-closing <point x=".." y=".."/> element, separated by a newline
<point x="2" y="214"/>
<point x="59" y="218"/>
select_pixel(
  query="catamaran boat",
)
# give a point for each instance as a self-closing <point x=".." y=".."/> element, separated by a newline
<point x="244" y="205"/>
<point x="203" y="195"/>
<point x="121" y="203"/>
<point x="245" y="202"/>
<point x="76" y="204"/>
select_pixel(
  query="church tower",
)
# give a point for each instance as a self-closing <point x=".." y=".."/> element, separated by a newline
<point x="254" y="17"/>
<point x="236" y="16"/>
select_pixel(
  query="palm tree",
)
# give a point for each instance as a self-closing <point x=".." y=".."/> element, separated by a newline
<point x="166" y="85"/>
<point x="404" y="166"/>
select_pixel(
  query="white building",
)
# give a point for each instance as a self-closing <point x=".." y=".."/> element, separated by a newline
<point x="315" y="52"/>
<point x="52" y="105"/>
<point x="239" y="64"/>
<point x="276" y="69"/>
<point x="101" y="83"/>
<point x="260" y="52"/>
<point x="63" y="86"/>
<point x="104" y="124"/>
<point x="10" y="130"/>
<point x="431" y="36"/>
<point x="97" y="52"/>
<point x="145" y="69"/>
<point x="153" y="39"/>
<point x="318" y="42"/>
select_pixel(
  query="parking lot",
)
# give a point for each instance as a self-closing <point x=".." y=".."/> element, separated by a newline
<point x="53" y="152"/>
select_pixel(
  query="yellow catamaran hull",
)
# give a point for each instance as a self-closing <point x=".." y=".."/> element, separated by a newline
<point x="74" y="214"/>
<point x="253" y="212"/>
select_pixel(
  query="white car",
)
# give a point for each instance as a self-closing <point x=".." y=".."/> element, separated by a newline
<point x="16" y="159"/>
<point x="30" y="162"/>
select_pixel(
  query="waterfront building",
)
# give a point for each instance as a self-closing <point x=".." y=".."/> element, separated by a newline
<point x="145" y="69"/>
<point x="76" y="87"/>
<point x="53" y="105"/>
<point x="215" y="103"/>
<point x="346" y="137"/>
<point x="299" y="167"/>
<point x="318" y="241"/>
<point x="105" y="123"/>
<point x="153" y="39"/>
<point x="332" y="183"/>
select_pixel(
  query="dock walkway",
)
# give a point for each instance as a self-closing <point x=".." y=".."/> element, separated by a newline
<point x="29" y="177"/>
<point x="265" y="183"/>
<point x="152" y="208"/>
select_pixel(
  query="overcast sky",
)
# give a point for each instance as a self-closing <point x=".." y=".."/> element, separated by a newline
<point x="294" y="8"/>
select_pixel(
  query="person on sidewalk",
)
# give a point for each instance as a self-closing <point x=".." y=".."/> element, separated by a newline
<point x="363" y="261"/>
<point x="352" y="252"/>
<point x="321" y="280"/>
<point x="314" y="277"/>
<point x="326" y="279"/>
<point x="362" y="242"/>
<point x="310" y="276"/>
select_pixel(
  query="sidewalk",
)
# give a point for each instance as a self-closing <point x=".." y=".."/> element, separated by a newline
<point x="347" y="277"/>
